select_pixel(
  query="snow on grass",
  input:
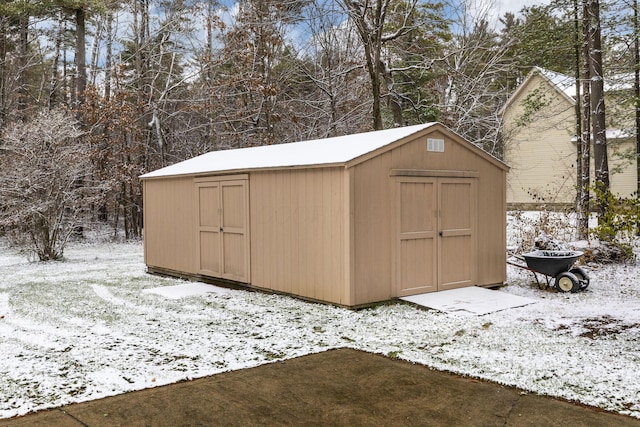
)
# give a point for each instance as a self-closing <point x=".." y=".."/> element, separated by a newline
<point x="84" y="329"/>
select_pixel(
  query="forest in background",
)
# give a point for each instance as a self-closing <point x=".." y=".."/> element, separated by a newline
<point x="94" y="93"/>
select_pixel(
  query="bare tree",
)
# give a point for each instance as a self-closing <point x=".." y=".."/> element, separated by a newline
<point x="80" y="56"/>
<point x="331" y="66"/>
<point x="477" y="83"/>
<point x="383" y="25"/>
<point x="6" y="24"/>
<point x="41" y="163"/>
<point x="256" y="66"/>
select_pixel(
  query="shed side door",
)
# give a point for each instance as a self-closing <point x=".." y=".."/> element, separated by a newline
<point x="208" y="237"/>
<point x="223" y="228"/>
<point x="456" y="243"/>
<point x="416" y="244"/>
<point x="234" y="230"/>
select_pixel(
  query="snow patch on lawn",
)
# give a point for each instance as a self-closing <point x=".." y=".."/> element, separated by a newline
<point x="90" y="327"/>
<point x="185" y="290"/>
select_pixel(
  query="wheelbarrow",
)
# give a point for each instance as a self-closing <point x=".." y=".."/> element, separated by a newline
<point x="556" y="266"/>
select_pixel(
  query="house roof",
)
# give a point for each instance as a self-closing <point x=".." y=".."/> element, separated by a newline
<point x="336" y="150"/>
<point x="566" y="85"/>
<point x="613" y="134"/>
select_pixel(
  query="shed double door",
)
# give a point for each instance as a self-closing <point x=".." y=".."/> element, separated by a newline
<point x="223" y="230"/>
<point x="435" y="240"/>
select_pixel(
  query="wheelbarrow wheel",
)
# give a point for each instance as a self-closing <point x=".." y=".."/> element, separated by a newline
<point x="582" y="276"/>
<point x="567" y="282"/>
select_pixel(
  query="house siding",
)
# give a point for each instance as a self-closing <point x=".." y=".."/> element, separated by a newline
<point x="543" y="155"/>
<point x="622" y="167"/>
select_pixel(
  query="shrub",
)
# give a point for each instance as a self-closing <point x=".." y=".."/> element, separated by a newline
<point x="620" y="220"/>
<point x="618" y="225"/>
<point x="43" y="166"/>
<point x="528" y="228"/>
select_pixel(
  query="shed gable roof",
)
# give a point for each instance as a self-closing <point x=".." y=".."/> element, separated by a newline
<point x="329" y="151"/>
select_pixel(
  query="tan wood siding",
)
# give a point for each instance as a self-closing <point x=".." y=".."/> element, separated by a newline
<point x="298" y="234"/>
<point x="436" y="234"/>
<point x="208" y="234"/>
<point x="349" y="204"/>
<point x="170" y="234"/>
<point x="235" y="230"/>
<point x="375" y="247"/>
<point x="372" y="230"/>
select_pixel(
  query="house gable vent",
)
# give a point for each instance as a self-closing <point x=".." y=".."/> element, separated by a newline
<point x="435" y="144"/>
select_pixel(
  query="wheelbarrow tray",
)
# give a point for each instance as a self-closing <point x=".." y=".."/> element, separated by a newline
<point x="551" y="263"/>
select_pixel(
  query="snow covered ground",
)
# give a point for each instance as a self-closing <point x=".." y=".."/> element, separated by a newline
<point x="84" y="329"/>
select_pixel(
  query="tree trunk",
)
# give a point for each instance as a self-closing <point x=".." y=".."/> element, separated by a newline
<point x="108" y="72"/>
<point x="586" y="115"/>
<point x="55" y="82"/>
<point x="23" y="61"/>
<point x="375" y="44"/>
<point x="80" y="58"/>
<point x="4" y="24"/>
<point x="375" y="88"/>
<point x="95" y="51"/>
<point x="370" y="33"/>
<point x="394" y="100"/>
<point x="598" y="122"/>
<point x="636" y="55"/>
<point x="581" y="210"/>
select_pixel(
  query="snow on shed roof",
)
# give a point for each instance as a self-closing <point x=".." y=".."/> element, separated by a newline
<point x="334" y="150"/>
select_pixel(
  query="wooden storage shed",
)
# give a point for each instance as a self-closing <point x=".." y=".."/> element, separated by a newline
<point x="349" y="220"/>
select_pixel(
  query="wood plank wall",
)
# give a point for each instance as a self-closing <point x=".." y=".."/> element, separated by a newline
<point x="170" y="234"/>
<point x="298" y="242"/>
